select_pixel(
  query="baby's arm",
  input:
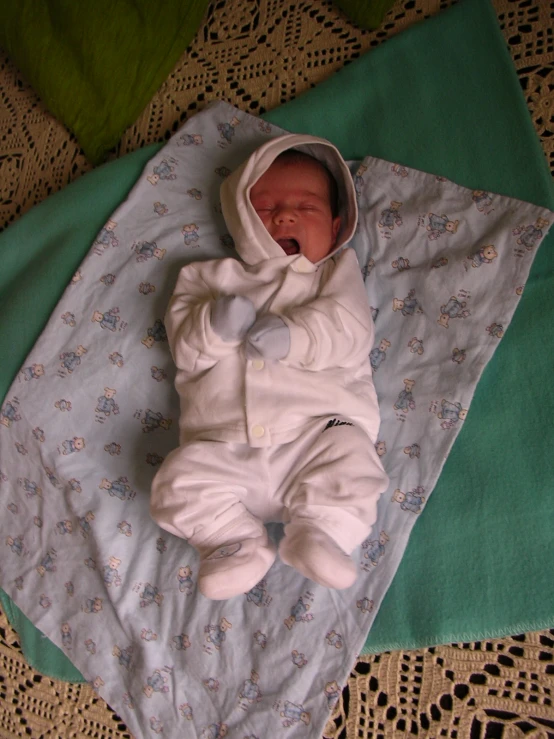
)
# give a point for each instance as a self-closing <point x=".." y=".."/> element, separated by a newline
<point x="200" y="322"/>
<point x="335" y="329"/>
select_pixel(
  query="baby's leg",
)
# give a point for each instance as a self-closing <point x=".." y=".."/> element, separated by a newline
<point x="332" y="503"/>
<point x="197" y="494"/>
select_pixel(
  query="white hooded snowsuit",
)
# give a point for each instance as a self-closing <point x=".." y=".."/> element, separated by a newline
<point x="263" y="440"/>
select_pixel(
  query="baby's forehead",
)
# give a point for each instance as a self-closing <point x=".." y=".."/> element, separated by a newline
<point x="291" y="163"/>
<point x="307" y="176"/>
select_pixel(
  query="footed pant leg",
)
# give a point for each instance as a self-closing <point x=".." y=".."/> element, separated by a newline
<point x="197" y="494"/>
<point x="331" y="500"/>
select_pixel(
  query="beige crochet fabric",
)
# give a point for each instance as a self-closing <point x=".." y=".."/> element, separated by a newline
<point x="258" y="54"/>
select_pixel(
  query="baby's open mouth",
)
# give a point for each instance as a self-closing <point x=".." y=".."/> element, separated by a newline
<point x="289" y="246"/>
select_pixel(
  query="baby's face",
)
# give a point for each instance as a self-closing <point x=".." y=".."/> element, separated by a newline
<point x="293" y="201"/>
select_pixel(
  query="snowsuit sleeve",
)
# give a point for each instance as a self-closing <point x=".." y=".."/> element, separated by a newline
<point x="188" y="318"/>
<point x="336" y="329"/>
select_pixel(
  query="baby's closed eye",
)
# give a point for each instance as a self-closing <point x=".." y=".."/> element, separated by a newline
<point x="263" y="206"/>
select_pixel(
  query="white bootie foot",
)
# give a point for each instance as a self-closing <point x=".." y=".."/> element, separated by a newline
<point x="316" y="556"/>
<point x="233" y="569"/>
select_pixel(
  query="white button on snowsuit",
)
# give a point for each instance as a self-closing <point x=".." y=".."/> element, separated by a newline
<point x="264" y="439"/>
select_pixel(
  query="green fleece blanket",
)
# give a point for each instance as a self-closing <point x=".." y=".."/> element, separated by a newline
<point x="443" y="97"/>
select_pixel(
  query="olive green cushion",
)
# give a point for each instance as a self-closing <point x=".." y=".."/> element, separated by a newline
<point x="95" y="65"/>
<point x="365" y="13"/>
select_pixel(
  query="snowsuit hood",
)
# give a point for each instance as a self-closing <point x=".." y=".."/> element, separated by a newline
<point x="252" y="241"/>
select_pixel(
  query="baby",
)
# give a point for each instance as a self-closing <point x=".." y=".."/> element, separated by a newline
<point x="279" y="415"/>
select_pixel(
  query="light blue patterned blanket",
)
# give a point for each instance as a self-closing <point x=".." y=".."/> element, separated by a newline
<point x="93" y="412"/>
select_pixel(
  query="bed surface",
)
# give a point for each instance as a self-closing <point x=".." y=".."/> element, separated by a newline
<point x="38" y="157"/>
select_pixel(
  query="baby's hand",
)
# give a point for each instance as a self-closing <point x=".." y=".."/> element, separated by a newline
<point x="232" y="316"/>
<point x="269" y="338"/>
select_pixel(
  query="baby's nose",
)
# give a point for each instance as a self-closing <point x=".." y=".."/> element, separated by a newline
<point x="284" y="215"/>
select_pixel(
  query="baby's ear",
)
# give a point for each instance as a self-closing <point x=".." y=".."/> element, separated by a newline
<point x="336" y="228"/>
